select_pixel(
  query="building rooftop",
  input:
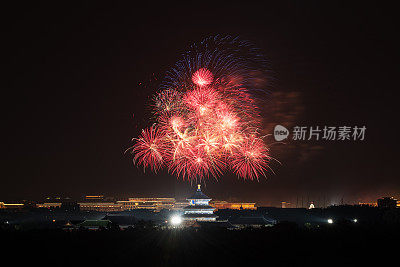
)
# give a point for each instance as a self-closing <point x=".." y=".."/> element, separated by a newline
<point x="199" y="195"/>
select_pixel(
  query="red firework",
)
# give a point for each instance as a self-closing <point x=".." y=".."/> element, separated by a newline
<point x="251" y="159"/>
<point x="149" y="149"/>
<point x="206" y="129"/>
<point x="202" y="77"/>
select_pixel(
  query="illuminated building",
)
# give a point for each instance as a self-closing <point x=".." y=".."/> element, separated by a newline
<point x="155" y="204"/>
<point x="233" y="205"/>
<point x="285" y="204"/>
<point x="199" y="208"/>
<point x="65" y="204"/>
<point x="11" y="206"/>
<point x="49" y="205"/>
<point x="100" y="206"/>
<point x="94" y="198"/>
<point x="371" y="204"/>
<point x="99" y="203"/>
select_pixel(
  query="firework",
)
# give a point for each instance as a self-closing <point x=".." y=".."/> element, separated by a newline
<point x="207" y="117"/>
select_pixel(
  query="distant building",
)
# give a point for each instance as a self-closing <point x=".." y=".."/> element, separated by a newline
<point x="370" y="204"/>
<point x="55" y="199"/>
<point x="49" y="205"/>
<point x="94" y="198"/>
<point x="100" y="206"/>
<point x="285" y="204"/>
<point x="69" y="226"/>
<point x="387" y="202"/>
<point x="199" y="208"/>
<point x="57" y="202"/>
<point x="11" y="205"/>
<point x="155" y="204"/>
<point x="99" y="203"/>
<point x="233" y="205"/>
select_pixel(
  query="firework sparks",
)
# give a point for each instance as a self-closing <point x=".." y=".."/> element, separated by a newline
<point x="202" y="77"/>
<point x="207" y="119"/>
<point x="148" y="149"/>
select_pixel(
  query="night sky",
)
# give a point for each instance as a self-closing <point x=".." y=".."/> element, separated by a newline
<point x="79" y="82"/>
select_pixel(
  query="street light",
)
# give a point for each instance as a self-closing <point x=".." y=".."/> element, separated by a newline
<point x="176" y="220"/>
<point x="330" y="221"/>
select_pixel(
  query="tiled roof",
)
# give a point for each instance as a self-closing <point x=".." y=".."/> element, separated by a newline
<point x="198" y="195"/>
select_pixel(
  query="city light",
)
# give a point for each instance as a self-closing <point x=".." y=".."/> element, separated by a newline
<point x="176" y="220"/>
<point x="330" y="221"/>
<point x="355" y="220"/>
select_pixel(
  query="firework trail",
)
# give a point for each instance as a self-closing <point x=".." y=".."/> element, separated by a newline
<point x="207" y="117"/>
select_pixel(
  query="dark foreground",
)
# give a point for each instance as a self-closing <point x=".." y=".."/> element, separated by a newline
<point x="282" y="245"/>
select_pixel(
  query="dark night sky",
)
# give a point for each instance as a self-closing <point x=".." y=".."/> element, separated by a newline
<point x="75" y="75"/>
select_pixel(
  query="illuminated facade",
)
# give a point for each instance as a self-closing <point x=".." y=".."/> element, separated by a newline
<point x="10" y="206"/>
<point x="199" y="208"/>
<point x="100" y="206"/>
<point x="94" y="198"/>
<point x="233" y="205"/>
<point x="155" y="204"/>
<point x="49" y="205"/>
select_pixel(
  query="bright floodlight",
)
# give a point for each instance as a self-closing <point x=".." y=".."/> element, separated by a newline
<point x="330" y="221"/>
<point x="355" y="220"/>
<point x="176" y="220"/>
